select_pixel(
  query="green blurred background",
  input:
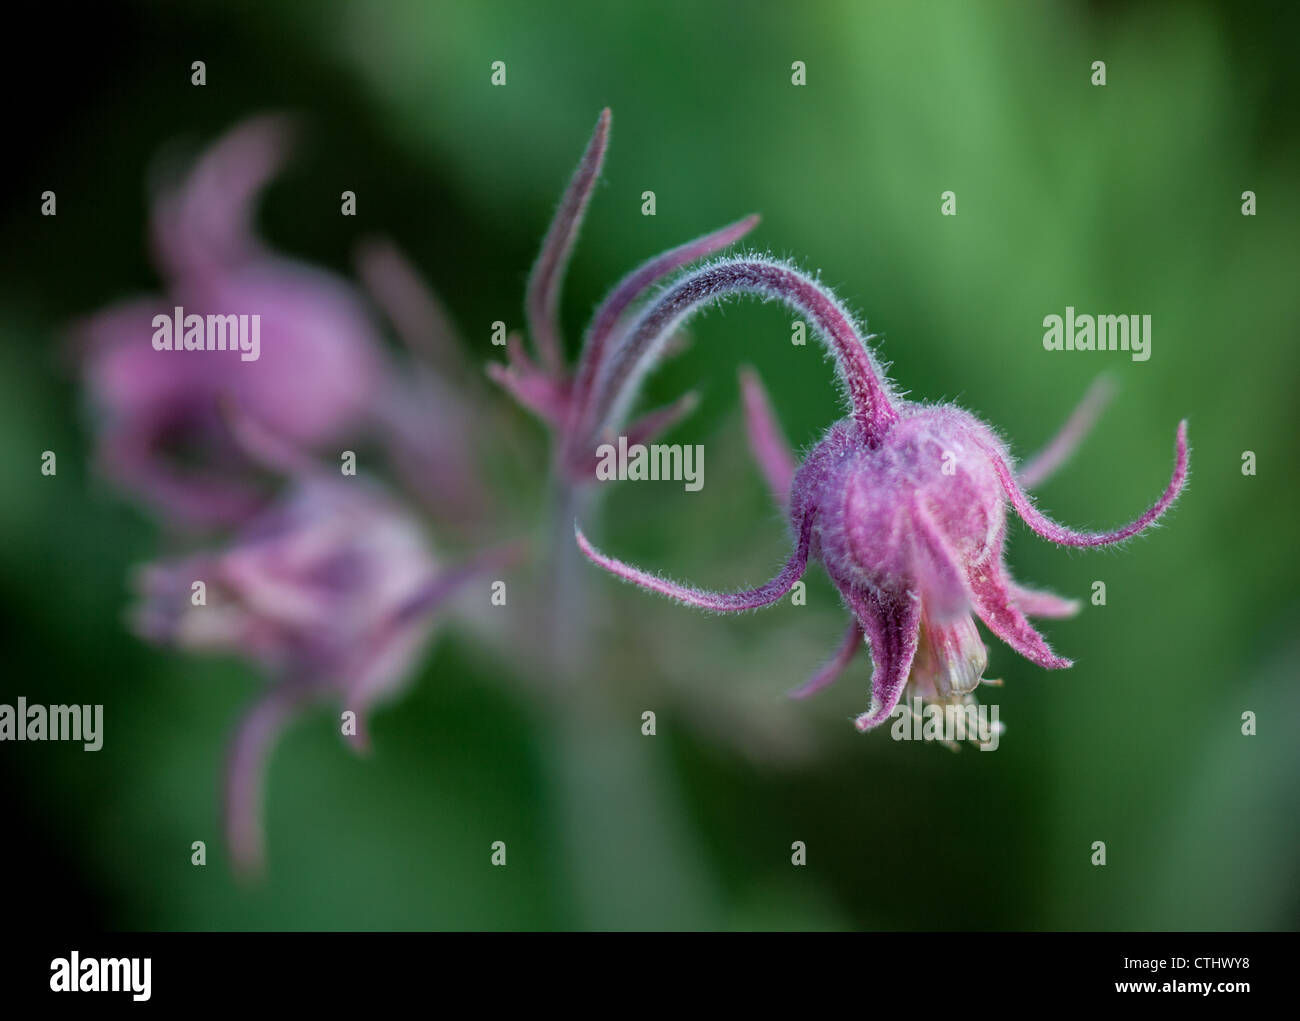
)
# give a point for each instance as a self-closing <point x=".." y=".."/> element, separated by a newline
<point x="1117" y="199"/>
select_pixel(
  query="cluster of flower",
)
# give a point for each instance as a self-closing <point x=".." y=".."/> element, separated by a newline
<point x="330" y="583"/>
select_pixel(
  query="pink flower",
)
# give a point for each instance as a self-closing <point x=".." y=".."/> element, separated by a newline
<point x="328" y="584"/>
<point x="319" y="368"/>
<point x="333" y="592"/>
<point x="904" y="504"/>
<point x="566" y="400"/>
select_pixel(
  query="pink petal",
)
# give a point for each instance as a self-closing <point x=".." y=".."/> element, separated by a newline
<point x="653" y="423"/>
<point x="1063" y="536"/>
<point x="766" y="440"/>
<point x="245" y="772"/>
<point x="830" y="672"/>
<point x="419" y="316"/>
<point x="720" y="602"/>
<point x="205" y="223"/>
<point x="635" y="284"/>
<point x="1035" y="603"/>
<point x="536" y="389"/>
<point x="892" y="623"/>
<point x="259" y="444"/>
<point x="543" y="297"/>
<point x="1072" y="433"/>
<point x="938" y="579"/>
<point x="996" y="607"/>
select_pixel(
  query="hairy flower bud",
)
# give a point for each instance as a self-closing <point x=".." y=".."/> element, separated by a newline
<point x="904" y="505"/>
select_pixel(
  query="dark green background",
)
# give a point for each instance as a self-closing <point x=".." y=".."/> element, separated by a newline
<point x="1117" y="199"/>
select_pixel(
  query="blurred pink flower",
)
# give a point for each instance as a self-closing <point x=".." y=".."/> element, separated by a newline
<point x="332" y="591"/>
<point x="320" y="367"/>
<point x="329" y="584"/>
